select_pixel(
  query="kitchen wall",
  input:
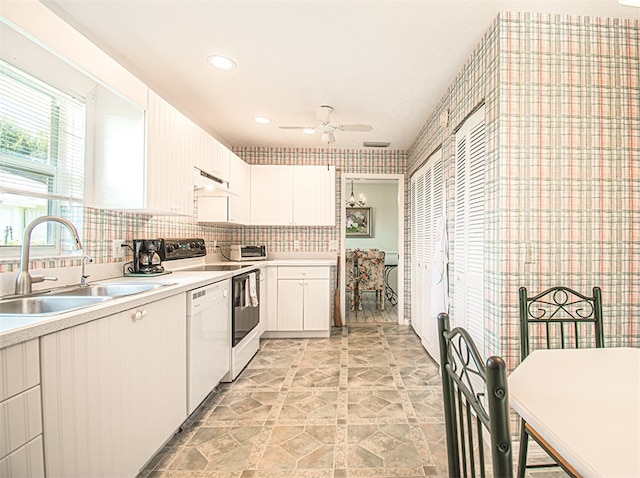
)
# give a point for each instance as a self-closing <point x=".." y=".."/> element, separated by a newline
<point x="314" y="239"/>
<point x="102" y="226"/>
<point x="562" y="102"/>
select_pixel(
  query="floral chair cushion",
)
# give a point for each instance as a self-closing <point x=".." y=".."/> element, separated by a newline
<point x="371" y="274"/>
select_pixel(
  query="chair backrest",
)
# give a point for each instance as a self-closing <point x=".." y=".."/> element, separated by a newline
<point x="475" y="398"/>
<point x="371" y="270"/>
<point x="560" y="317"/>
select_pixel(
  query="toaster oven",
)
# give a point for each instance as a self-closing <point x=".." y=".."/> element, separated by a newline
<point x="248" y="253"/>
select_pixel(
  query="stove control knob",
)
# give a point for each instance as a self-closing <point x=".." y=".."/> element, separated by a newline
<point x="192" y="245"/>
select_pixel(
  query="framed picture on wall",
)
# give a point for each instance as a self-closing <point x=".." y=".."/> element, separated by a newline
<point x="359" y="222"/>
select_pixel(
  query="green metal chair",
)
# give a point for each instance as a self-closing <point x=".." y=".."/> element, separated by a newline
<point x="558" y="317"/>
<point x="475" y="399"/>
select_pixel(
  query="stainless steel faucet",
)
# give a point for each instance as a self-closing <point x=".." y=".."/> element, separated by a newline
<point x="24" y="279"/>
<point x="83" y="278"/>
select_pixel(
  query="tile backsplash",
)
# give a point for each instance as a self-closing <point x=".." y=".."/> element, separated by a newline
<point x="100" y="227"/>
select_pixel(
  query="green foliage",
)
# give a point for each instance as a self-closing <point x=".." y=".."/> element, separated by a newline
<point x="16" y="140"/>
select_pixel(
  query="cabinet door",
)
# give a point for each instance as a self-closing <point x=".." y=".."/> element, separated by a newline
<point x="316" y="304"/>
<point x="290" y="304"/>
<point x="271" y="195"/>
<point x="314" y="195"/>
<point x="240" y="183"/>
<point x="114" y="390"/>
<point x="169" y="178"/>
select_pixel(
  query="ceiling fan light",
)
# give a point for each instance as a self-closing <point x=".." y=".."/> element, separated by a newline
<point x="325" y="137"/>
<point x="309" y="131"/>
<point x="261" y="120"/>
<point x="221" y="62"/>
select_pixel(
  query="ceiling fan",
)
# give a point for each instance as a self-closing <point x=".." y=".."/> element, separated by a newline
<point x="326" y="129"/>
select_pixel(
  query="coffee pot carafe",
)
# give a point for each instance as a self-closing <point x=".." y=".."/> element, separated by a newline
<point x="148" y="255"/>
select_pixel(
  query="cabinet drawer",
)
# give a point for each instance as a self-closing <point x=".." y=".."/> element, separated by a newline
<point x="20" y="365"/>
<point x="20" y="420"/>
<point x="26" y="462"/>
<point x="304" y="272"/>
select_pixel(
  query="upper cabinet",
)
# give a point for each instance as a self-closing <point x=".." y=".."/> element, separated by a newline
<point x="233" y="208"/>
<point x="210" y="155"/>
<point x="140" y="163"/>
<point x="293" y="195"/>
<point x="170" y="150"/>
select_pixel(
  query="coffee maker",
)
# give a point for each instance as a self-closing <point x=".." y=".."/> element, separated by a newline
<point x="148" y="255"/>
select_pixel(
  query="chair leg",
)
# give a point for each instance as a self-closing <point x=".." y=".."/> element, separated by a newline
<point x="522" y="454"/>
<point x="380" y="292"/>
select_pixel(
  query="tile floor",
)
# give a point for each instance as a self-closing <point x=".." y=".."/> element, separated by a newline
<point x="371" y="312"/>
<point x="364" y="402"/>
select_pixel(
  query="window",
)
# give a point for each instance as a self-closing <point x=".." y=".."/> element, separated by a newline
<point x="42" y="138"/>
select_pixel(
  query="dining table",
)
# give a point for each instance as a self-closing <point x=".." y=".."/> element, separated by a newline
<point x="585" y="404"/>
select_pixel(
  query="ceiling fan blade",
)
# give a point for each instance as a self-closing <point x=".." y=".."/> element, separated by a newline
<point x="355" y="127"/>
<point x="295" y="127"/>
<point x="323" y="113"/>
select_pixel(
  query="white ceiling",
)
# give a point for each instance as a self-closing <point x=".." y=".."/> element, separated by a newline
<point x="384" y="63"/>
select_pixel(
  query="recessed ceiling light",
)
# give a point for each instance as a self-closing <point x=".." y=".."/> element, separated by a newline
<point x="221" y="62"/>
<point x="261" y="120"/>
<point x="309" y="131"/>
<point x="630" y="3"/>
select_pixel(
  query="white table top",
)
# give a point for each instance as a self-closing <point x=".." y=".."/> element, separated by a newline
<point x="586" y="404"/>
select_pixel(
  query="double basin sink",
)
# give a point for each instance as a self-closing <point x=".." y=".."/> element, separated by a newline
<point x="71" y="298"/>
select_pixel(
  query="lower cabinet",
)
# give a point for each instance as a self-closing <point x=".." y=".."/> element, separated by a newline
<point x="114" y="390"/>
<point x="303" y="299"/>
<point x="20" y="412"/>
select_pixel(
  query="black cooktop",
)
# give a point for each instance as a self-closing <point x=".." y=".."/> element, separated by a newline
<point x="215" y="267"/>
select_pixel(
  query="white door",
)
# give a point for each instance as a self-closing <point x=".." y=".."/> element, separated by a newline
<point x="317" y="302"/>
<point x="426" y="211"/>
<point x="290" y="304"/>
<point x="271" y="195"/>
<point x="314" y="195"/>
<point x="469" y="228"/>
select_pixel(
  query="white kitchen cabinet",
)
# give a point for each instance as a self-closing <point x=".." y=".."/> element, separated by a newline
<point x="210" y="155"/>
<point x="314" y="195"/>
<point x="293" y="195"/>
<point x="271" y="195"/>
<point x="20" y="411"/>
<point x="169" y="172"/>
<point x="269" y="313"/>
<point x="303" y="298"/>
<point x="25" y="462"/>
<point x="142" y="163"/>
<point x="114" y="390"/>
<point x="234" y="209"/>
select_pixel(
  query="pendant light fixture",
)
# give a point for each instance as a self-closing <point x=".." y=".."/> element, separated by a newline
<point x="351" y="202"/>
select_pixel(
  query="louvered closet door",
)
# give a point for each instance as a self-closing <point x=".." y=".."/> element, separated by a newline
<point x="417" y="256"/>
<point x="426" y="210"/>
<point x="434" y="213"/>
<point x="469" y="228"/>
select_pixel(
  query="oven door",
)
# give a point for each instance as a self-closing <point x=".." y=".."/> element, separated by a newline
<point x="246" y="304"/>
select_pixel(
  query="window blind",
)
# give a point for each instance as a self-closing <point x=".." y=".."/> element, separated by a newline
<point x="42" y="139"/>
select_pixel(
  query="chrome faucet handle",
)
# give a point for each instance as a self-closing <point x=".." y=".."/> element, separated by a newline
<point x="42" y="278"/>
<point x="83" y="278"/>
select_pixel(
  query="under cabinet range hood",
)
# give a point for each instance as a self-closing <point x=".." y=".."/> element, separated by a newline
<point x="205" y="184"/>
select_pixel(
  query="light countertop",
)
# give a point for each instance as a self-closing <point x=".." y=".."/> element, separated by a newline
<point x="16" y="329"/>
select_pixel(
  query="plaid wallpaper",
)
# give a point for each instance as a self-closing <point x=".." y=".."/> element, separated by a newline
<point x="562" y="98"/>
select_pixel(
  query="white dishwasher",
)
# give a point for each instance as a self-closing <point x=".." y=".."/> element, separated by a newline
<point x="208" y="336"/>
